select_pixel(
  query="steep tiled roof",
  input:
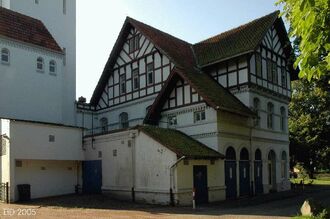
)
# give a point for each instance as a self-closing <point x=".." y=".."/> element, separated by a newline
<point x="26" y="29"/>
<point x="237" y="41"/>
<point x="180" y="143"/>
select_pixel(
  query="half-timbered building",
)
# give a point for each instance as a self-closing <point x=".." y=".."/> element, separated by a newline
<point x="229" y="92"/>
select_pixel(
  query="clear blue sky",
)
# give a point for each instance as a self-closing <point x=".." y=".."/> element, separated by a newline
<point x="99" y="23"/>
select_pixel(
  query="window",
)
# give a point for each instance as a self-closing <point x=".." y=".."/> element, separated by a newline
<point x="258" y="65"/>
<point x="283" y="165"/>
<point x="40" y="64"/>
<point x="269" y="70"/>
<point x="134" y="43"/>
<point x="122" y="82"/>
<point x="36" y="1"/>
<point x="5" y="56"/>
<point x="136" y="79"/>
<point x="123" y="120"/>
<point x="274" y="73"/>
<point x="256" y="106"/>
<point x="172" y="120"/>
<point x="199" y="116"/>
<point x="282" y="122"/>
<point x="150" y="73"/>
<point x="270" y="111"/>
<point x="51" y="138"/>
<point x="283" y="77"/>
<point x="52" y="67"/>
<point x="64" y="6"/>
<point x="104" y="125"/>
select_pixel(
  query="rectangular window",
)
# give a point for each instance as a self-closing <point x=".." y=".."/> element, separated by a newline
<point x="122" y="82"/>
<point x="274" y="72"/>
<point x="283" y="77"/>
<point x="172" y="120"/>
<point x="269" y="70"/>
<point x="134" y="43"/>
<point x="136" y="79"/>
<point x="258" y="65"/>
<point x="150" y="73"/>
<point x="51" y="138"/>
<point x="199" y="116"/>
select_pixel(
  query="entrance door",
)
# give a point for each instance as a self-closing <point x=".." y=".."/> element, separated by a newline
<point x="230" y="179"/>
<point x="92" y="176"/>
<point x="244" y="178"/>
<point x="258" y="177"/>
<point x="200" y="184"/>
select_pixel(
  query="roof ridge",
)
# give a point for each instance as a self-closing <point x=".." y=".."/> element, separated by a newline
<point x="134" y="20"/>
<point x="238" y="27"/>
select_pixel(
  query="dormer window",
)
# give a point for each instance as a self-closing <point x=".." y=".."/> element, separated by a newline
<point x="5" y="56"/>
<point x="52" y="67"/>
<point x="40" y="64"/>
<point x="134" y="43"/>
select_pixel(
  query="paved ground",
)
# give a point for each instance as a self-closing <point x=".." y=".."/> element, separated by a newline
<point x="278" y="205"/>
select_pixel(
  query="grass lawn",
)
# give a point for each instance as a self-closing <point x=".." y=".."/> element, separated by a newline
<point x="319" y="181"/>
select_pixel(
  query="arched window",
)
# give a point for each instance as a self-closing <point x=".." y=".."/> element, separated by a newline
<point x="284" y="165"/>
<point x="40" y="64"/>
<point x="244" y="155"/>
<point x="283" y="125"/>
<point x="123" y="120"/>
<point x="104" y="124"/>
<point x="270" y="112"/>
<point x="5" y="56"/>
<point x="52" y="67"/>
<point x="257" y="155"/>
<point x="256" y="106"/>
<point x="230" y="154"/>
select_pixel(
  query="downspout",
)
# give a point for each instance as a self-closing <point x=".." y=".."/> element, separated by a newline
<point x="172" y="179"/>
<point x="132" y="136"/>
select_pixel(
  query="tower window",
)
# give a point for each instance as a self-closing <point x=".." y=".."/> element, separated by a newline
<point x="52" y="67"/>
<point x="274" y="72"/>
<point x="269" y="70"/>
<point x="40" y="64"/>
<point x="283" y="77"/>
<point x="5" y="56"/>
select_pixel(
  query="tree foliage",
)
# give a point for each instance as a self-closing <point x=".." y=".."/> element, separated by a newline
<point x="310" y="24"/>
<point x="309" y="123"/>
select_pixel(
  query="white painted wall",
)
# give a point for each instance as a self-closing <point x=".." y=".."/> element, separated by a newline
<point x="31" y="141"/>
<point x="62" y="26"/>
<point x="26" y="93"/>
<point x="47" y="177"/>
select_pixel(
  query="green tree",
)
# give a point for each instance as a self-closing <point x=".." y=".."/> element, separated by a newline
<point x="310" y="23"/>
<point x="309" y="123"/>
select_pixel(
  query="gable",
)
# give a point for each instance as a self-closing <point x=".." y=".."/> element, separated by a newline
<point x="272" y="41"/>
<point x="126" y="63"/>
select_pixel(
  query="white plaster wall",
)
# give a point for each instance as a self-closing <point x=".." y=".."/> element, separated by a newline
<point x="63" y="29"/>
<point x="47" y="178"/>
<point x="31" y="141"/>
<point x="26" y="93"/>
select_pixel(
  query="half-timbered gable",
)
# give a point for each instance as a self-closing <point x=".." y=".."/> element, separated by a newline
<point x="137" y="72"/>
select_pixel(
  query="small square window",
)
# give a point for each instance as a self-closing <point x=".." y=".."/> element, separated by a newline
<point x="199" y="116"/>
<point x="172" y="120"/>
<point x="51" y="138"/>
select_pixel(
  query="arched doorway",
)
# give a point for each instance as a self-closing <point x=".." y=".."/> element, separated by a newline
<point x="244" y="173"/>
<point x="258" y="172"/>
<point x="272" y="170"/>
<point x="230" y="173"/>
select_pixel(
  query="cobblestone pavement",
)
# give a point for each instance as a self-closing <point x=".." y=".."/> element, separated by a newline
<point x="278" y="205"/>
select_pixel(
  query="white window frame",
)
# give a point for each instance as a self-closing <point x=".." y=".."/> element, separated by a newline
<point x="42" y="63"/>
<point x="150" y="71"/>
<point x="52" y="64"/>
<point x="199" y="116"/>
<point x="136" y="79"/>
<point x="5" y="53"/>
